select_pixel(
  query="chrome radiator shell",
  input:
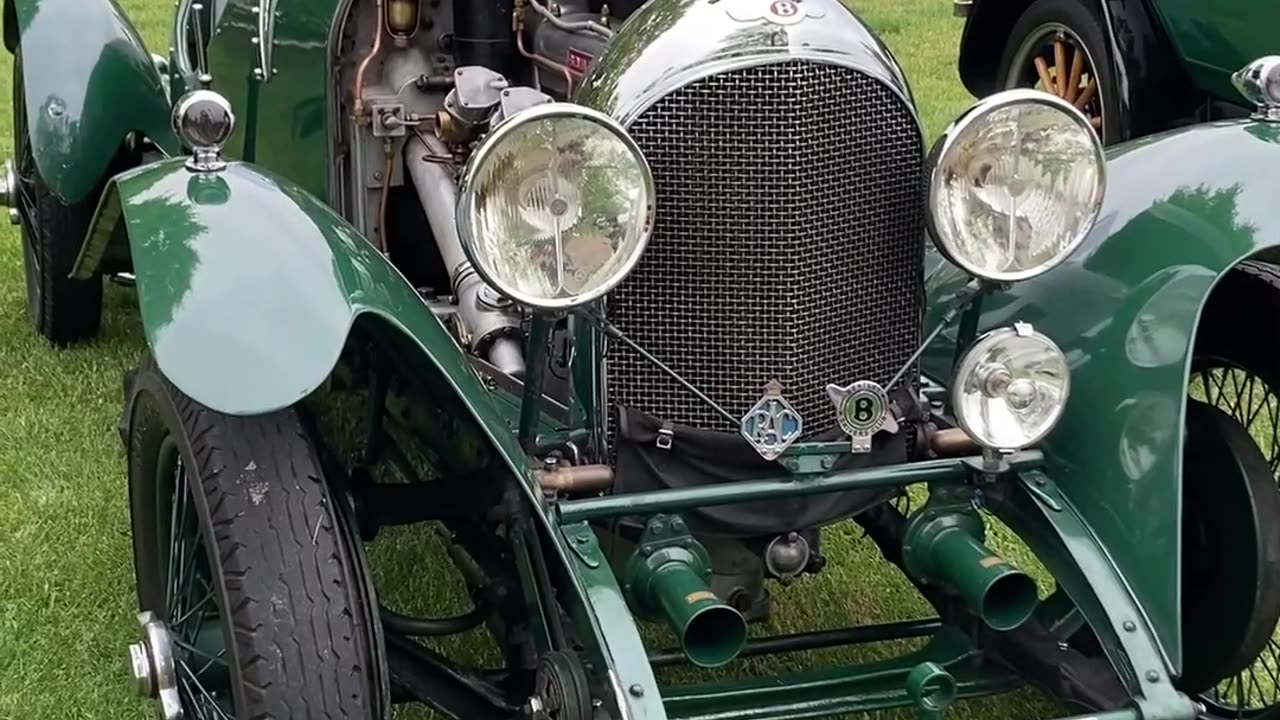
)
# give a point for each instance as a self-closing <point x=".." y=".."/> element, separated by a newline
<point x="805" y="265"/>
<point x="667" y="44"/>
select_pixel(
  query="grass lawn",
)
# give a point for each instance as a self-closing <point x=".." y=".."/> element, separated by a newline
<point x="66" y="584"/>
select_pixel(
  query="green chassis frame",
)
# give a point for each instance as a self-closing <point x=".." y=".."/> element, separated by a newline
<point x="960" y="660"/>
<point x="1019" y="493"/>
<point x="1015" y="488"/>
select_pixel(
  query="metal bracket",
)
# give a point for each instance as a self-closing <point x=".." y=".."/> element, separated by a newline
<point x="581" y="539"/>
<point x="1034" y="482"/>
<point x="265" y="39"/>
<point x="666" y="434"/>
<point x="1143" y="665"/>
<point x="389" y="120"/>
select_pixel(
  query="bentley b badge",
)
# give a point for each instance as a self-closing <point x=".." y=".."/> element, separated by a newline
<point x="771" y="425"/>
<point x="862" y="410"/>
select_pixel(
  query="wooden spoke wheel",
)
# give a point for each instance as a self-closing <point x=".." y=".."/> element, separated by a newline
<point x="1058" y="47"/>
<point x="1231" y="505"/>
<point x="1054" y="60"/>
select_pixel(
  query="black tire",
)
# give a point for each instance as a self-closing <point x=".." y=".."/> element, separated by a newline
<point x="1235" y="376"/>
<point x="294" y="607"/>
<point x="1082" y="21"/>
<point x="61" y="309"/>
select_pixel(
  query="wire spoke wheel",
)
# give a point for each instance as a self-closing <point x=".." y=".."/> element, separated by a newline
<point x="238" y="554"/>
<point x="1253" y="687"/>
<point x="191" y="610"/>
<point x="1054" y="59"/>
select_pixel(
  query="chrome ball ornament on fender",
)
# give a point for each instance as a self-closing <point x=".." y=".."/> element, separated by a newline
<point x="1259" y="83"/>
<point x="203" y="121"/>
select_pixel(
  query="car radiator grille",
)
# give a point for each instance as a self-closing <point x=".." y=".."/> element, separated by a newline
<point x="788" y="243"/>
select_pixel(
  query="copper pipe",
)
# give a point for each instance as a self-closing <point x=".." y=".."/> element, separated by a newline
<point x="951" y="442"/>
<point x="577" y="26"/>
<point x="575" y="478"/>
<point x="539" y="59"/>
<point x="368" y="60"/>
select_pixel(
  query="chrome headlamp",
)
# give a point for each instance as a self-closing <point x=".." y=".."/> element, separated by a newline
<point x="556" y="206"/>
<point x="1017" y="183"/>
<point x="1010" y="388"/>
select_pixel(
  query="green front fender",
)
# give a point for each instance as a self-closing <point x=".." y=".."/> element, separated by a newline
<point x="89" y="81"/>
<point x="1182" y="209"/>
<point x="249" y="287"/>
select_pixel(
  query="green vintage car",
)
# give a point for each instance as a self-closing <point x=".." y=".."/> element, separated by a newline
<point x="1136" y="67"/>
<point x="622" y="309"/>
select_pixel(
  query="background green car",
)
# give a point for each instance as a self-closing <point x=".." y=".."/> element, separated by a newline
<point x="624" y="315"/>
<point x="1135" y="66"/>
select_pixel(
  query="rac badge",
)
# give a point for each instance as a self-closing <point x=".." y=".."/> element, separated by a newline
<point x="771" y="425"/>
<point x="863" y="410"/>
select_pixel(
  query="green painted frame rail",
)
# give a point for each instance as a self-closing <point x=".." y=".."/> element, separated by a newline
<point x="641" y="503"/>
<point x="838" y="690"/>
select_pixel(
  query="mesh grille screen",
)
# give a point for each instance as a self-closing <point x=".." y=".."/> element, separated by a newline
<point x="788" y="244"/>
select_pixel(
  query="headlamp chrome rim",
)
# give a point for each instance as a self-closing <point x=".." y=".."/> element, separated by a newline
<point x="946" y="142"/>
<point x="490" y="144"/>
<point x="982" y="345"/>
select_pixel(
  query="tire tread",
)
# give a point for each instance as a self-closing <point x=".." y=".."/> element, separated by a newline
<point x="63" y="310"/>
<point x="290" y="599"/>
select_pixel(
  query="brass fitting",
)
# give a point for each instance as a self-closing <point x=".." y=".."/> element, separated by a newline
<point x="402" y="18"/>
<point x="574" y="478"/>
<point x="952" y="442"/>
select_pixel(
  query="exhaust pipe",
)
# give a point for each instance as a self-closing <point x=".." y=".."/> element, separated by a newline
<point x="946" y="549"/>
<point x="666" y="579"/>
<point x="492" y="328"/>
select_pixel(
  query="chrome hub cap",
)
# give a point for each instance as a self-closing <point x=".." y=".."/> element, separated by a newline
<point x="151" y="663"/>
<point x="9" y="191"/>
